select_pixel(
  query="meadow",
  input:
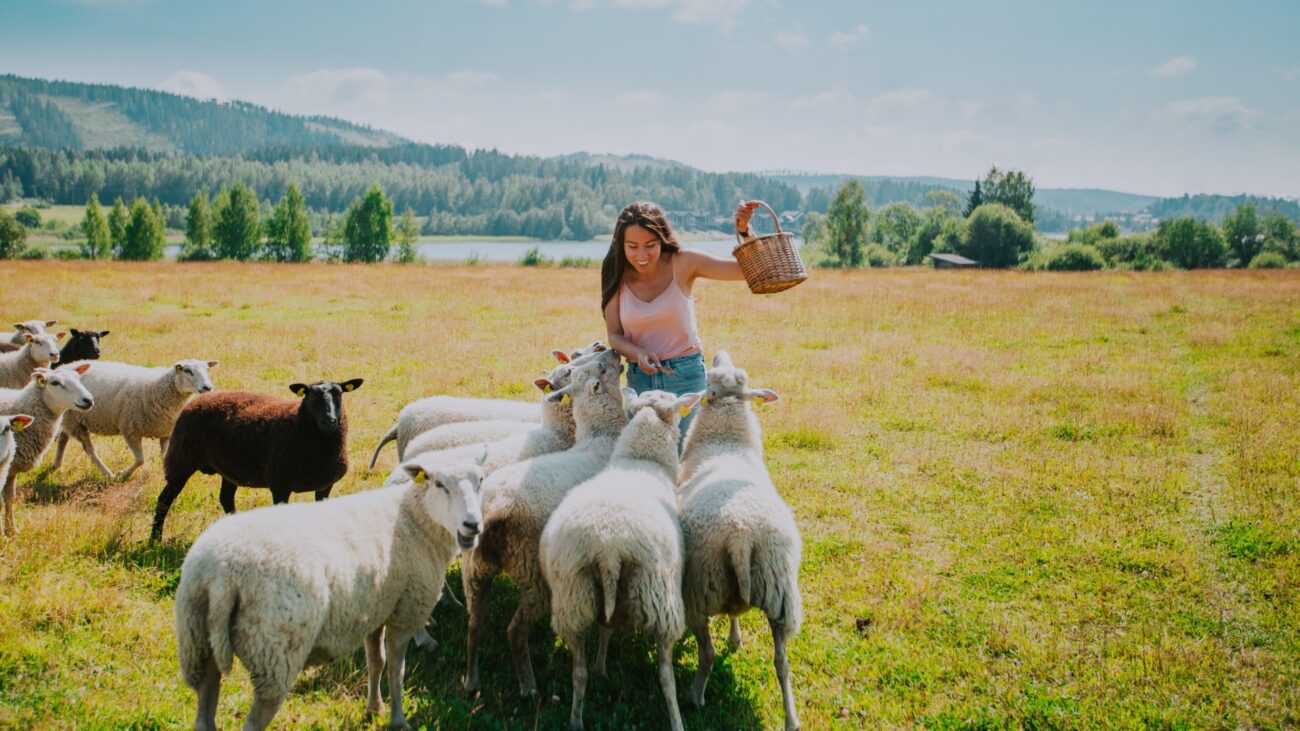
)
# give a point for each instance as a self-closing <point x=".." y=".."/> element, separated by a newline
<point x="1027" y="500"/>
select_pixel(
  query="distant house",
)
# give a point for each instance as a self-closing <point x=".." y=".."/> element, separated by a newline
<point x="952" y="261"/>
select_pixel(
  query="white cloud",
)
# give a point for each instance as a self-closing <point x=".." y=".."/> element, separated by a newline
<point x="1048" y="143"/>
<point x="1176" y="66"/>
<point x="492" y="3"/>
<point x="904" y="100"/>
<point x="860" y="33"/>
<point x="341" y="86"/>
<point x="1292" y="73"/>
<point x="640" y="98"/>
<point x="582" y="5"/>
<point x="194" y="83"/>
<point x="957" y="139"/>
<point x="471" y="79"/>
<point x="1209" y="114"/>
<point x="791" y="40"/>
<point x="1024" y="103"/>
<point x="721" y="14"/>
<point x="971" y="108"/>
<point x="738" y="101"/>
<point x="821" y="99"/>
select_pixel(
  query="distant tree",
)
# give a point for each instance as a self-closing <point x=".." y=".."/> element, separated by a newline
<point x="28" y="216"/>
<point x="996" y="236"/>
<point x="817" y="200"/>
<point x="1012" y="189"/>
<point x="98" y="243"/>
<point x="117" y="219"/>
<point x="896" y="224"/>
<point x="144" y="233"/>
<point x="1094" y="233"/>
<point x="1073" y="258"/>
<point x="1268" y="260"/>
<point x="198" y="230"/>
<point x="159" y="213"/>
<point x="1243" y="234"/>
<point x="237" y="231"/>
<point x="1280" y="236"/>
<point x="937" y="231"/>
<point x="332" y="245"/>
<point x="11" y="188"/>
<point x="948" y="200"/>
<point x="973" y="201"/>
<point x="13" y="235"/>
<point x="407" y="233"/>
<point x="846" y="225"/>
<point x="368" y="227"/>
<point x="288" y="233"/>
<point x="1189" y="244"/>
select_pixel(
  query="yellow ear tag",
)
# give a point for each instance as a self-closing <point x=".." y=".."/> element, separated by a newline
<point x="704" y="400"/>
<point x="18" y="426"/>
<point x="566" y="397"/>
<point x="420" y="478"/>
<point x="546" y="388"/>
<point x="349" y="388"/>
<point x="684" y="411"/>
<point x="40" y="381"/>
<point x="300" y="391"/>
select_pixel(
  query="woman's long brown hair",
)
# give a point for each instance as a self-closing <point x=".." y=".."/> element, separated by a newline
<point x="648" y="216"/>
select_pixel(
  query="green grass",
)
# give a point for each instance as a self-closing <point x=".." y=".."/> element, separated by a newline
<point x="1027" y="501"/>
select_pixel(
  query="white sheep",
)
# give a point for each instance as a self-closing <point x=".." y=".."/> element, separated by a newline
<point x="432" y="412"/>
<point x="46" y="397"/>
<point x="9" y="426"/>
<point x="37" y="351"/>
<point x="135" y="402"/>
<point x="295" y="584"/>
<point x="35" y="327"/>
<point x="742" y="544"/>
<point x="519" y="498"/>
<point x="612" y="553"/>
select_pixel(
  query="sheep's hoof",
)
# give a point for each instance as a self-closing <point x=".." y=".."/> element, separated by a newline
<point x="472" y="688"/>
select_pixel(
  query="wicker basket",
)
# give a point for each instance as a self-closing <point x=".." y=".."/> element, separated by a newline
<point x="771" y="263"/>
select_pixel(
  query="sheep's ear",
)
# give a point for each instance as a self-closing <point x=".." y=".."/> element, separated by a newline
<point x="557" y="397"/>
<point x="211" y="363"/>
<point x="60" y="336"/>
<point x="299" y="389"/>
<point x="417" y="473"/>
<point x="19" y="327"/>
<point x="686" y="402"/>
<point x="560" y="355"/>
<point x="767" y="395"/>
<point x="351" y="385"/>
<point x="82" y="368"/>
<point x="20" y="422"/>
<point x="598" y="347"/>
<point x="721" y="358"/>
<point x="544" y="384"/>
<point x="178" y="367"/>
<point x="628" y="394"/>
<point x="39" y="378"/>
<point x="103" y="333"/>
<point x="595" y="386"/>
<point x="27" y="337"/>
<point x="75" y="332"/>
<point x="50" y="323"/>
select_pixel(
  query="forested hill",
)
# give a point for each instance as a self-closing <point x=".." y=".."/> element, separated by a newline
<point x="63" y="114"/>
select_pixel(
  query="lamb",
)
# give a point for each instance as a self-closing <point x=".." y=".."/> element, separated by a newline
<point x="45" y="397"/>
<point x="81" y="345"/>
<point x="9" y="426"/>
<point x="135" y="402"/>
<point x="258" y="440"/>
<point x="38" y="351"/>
<point x="35" y="327"/>
<point x="742" y="544"/>
<point x="291" y="585"/>
<point x="519" y="498"/>
<point x="612" y="552"/>
<point x="428" y="413"/>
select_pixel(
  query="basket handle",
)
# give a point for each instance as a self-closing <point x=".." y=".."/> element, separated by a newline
<point x="740" y="241"/>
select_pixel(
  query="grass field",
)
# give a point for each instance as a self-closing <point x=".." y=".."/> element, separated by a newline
<point x="1027" y="500"/>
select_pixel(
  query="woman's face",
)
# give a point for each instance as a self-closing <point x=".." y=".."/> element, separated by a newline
<point x="641" y="247"/>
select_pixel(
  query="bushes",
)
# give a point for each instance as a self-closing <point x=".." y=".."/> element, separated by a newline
<point x="996" y="237"/>
<point x="1073" y="258"/>
<point x="879" y="256"/>
<point x="1268" y="260"/>
<point x="13" y="235"/>
<point x="1189" y="244"/>
<point x="1131" y="252"/>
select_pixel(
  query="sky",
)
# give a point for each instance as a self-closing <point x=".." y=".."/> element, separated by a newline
<point x="1161" y="97"/>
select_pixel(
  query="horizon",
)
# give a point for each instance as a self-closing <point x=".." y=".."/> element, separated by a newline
<point x="1185" y="100"/>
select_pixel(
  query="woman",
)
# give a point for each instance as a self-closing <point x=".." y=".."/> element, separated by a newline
<point x="645" y="293"/>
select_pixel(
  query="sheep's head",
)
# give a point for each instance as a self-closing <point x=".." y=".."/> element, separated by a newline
<point x="322" y="402"/>
<point x="83" y="344"/>
<point x="729" y="384"/>
<point x="592" y="374"/>
<point x="449" y="492"/>
<point x="667" y="407"/>
<point x="562" y="375"/>
<point x="62" y="389"/>
<point x="191" y="376"/>
<point x="10" y="425"/>
<point x="34" y="327"/>
<point x="45" y="347"/>
<point x="595" y="347"/>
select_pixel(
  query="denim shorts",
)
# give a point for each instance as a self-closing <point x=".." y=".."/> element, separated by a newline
<point x="687" y="377"/>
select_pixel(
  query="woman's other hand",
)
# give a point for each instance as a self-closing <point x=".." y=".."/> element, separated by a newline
<point x="744" y="212"/>
<point x="649" y="364"/>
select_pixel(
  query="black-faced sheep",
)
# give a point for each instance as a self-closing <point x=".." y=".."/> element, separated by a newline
<point x="259" y="440"/>
<point x="81" y="345"/>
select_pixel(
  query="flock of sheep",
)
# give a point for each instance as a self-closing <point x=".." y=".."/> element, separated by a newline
<point x="589" y="501"/>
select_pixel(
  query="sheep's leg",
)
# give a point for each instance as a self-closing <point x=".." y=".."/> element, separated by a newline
<point x="704" y="640"/>
<point x="374" y="668"/>
<point x="262" y="711"/>
<point x="162" y="447"/>
<point x="60" y="444"/>
<point x="520" y="625"/>
<point x="477" y="587"/>
<point x="83" y="438"/>
<point x="396" y="646"/>
<point x="782" y="666"/>
<point x="579" y="651"/>
<point x="228" y="495"/>
<point x="209" y="691"/>
<point x="323" y="493"/>
<point x="734" y="639"/>
<point x="10" y="493"/>
<point x="668" y="683"/>
<point x="602" y="650"/>
<point x="280" y="497"/>
<point x="137" y="448"/>
<point x="165" y="499"/>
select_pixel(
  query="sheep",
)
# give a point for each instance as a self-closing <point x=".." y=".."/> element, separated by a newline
<point x="612" y="553"/>
<point x="135" y="402"/>
<point x="38" y="351"/>
<point x="742" y="544"/>
<point x="518" y="499"/>
<point x="259" y="440"/>
<point x="428" y="413"/>
<point x="35" y="327"/>
<point x="81" y="345"/>
<point x="291" y="585"/>
<point x="9" y="426"/>
<point x="46" y="397"/>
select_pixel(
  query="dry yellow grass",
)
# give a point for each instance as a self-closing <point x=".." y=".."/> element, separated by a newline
<point x="1027" y="500"/>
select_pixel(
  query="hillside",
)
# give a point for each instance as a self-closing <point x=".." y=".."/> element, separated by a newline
<point x="63" y="114"/>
